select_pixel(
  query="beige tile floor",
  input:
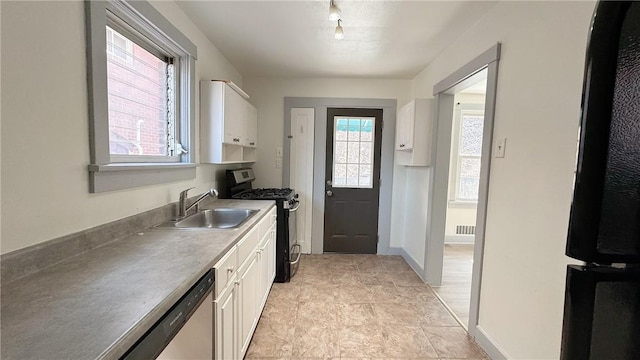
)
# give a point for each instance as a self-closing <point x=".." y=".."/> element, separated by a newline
<point x="456" y="279"/>
<point x="357" y="307"/>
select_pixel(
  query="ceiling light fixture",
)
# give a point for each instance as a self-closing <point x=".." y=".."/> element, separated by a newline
<point x="334" y="11"/>
<point x="339" y="33"/>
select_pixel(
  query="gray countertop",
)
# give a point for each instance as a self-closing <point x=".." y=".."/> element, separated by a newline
<point x="97" y="304"/>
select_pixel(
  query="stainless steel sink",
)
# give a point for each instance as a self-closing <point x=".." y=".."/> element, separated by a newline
<point x="214" y="219"/>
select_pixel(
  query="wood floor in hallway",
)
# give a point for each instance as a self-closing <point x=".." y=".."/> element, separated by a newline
<point x="358" y="307"/>
<point x="456" y="279"/>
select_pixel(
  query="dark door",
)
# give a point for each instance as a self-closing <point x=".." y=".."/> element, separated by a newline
<point x="352" y="183"/>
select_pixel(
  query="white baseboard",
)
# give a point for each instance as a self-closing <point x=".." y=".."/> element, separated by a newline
<point x="305" y="247"/>
<point x="412" y="263"/>
<point x="488" y="344"/>
<point x="459" y="239"/>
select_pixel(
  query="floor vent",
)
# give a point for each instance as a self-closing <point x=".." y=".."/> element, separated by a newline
<point x="465" y="229"/>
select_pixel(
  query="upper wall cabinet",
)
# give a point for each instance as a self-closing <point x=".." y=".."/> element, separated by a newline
<point x="228" y="124"/>
<point x="414" y="128"/>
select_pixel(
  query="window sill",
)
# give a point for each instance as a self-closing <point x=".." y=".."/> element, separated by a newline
<point x="121" y="176"/>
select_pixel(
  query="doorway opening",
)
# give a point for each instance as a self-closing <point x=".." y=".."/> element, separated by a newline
<point x="462" y="201"/>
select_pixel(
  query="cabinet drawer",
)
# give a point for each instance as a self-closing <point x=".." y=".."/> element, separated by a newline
<point x="266" y="222"/>
<point x="247" y="245"/>
<point x="224" y="270"/>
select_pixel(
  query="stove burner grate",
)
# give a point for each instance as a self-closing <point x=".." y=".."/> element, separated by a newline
<point x="269" y="193"/>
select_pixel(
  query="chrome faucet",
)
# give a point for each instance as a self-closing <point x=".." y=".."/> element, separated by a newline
<point x="183" y="209"/>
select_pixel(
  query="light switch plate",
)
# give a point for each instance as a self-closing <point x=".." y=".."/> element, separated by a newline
<point x="501" y="143"/>
<point x="278" y="163"/>
<point x="279" y="152"/>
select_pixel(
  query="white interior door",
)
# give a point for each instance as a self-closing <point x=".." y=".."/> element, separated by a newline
<point x="301" y="171"/>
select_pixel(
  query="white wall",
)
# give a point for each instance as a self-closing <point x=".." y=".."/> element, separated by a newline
<point x="45" y="146"/>
<point x="411" y="222"/>
<point x="267" y="95"/>
<point x="538" y="102"/>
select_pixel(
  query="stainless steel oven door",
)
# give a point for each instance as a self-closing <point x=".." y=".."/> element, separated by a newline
<point x="294" y="253"/>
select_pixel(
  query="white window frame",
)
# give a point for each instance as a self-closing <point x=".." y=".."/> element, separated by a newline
<point x="454" y="180"/>
<point x="141" y="23"/>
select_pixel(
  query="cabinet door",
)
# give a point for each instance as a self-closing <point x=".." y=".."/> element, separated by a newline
<point x="248" y="302"/>
<point x="271" y="256"/>
<point x="405" y="127"/>
<point x="251" y="126"/>
<point x="226" y="324"/>
<point x="264" y="264"/>
<point x="234" y="114"/>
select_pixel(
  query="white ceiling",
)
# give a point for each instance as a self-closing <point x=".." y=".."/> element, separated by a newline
<point x="383" y="39"/>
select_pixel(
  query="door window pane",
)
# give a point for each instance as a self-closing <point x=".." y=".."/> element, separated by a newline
<point x="354" y="129"/>
<point x="353" y="152"/>
<point x="339" y="175"/>
<point x="341" y="152"/>
<point x="340" y="132"/>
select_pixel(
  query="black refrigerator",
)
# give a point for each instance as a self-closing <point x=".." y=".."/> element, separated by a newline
<point x="602" y="298"/>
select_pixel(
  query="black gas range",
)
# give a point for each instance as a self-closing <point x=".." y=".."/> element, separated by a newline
<point x="287" y="248"/>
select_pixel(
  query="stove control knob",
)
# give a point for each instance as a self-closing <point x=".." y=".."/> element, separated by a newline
<point x="329" y="193"/>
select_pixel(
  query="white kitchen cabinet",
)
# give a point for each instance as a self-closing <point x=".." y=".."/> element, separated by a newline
<point x="267" y="264"/>
<point x="404" y="127"/>
<point x="241" y="295"/>
<point x="228" y="124"/>
<point x="251" y="126"/>
<point x="248" y="306"/>
<point x="226" y="324"/>
<point x="414" y="128"/>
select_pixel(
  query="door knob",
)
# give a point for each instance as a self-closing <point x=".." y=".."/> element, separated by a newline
<point x="329" y="193"/>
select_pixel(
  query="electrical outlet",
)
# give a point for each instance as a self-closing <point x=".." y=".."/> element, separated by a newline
<point x="279" y="152"/>
<point x="501" y="143"/>
<point x="278" y="163"/>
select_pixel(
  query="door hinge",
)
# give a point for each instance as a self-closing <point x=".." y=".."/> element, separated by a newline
<point x="382" y="125"/>
<point x="377" y="239"/>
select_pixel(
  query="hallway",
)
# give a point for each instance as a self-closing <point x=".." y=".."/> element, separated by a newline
<point x="457" y="269"/>
<point x="358" y="306"/>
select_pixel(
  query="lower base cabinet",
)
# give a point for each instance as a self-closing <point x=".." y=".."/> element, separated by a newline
<point x="225" y="320"/>
<point x="238" y="307"/>
<point x="247" y="298"/>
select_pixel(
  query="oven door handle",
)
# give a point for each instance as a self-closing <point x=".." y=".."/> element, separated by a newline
<point x="295" y="208"/>
<point x="299" y="254"/>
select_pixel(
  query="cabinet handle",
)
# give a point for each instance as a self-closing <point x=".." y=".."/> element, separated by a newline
<point x="401" y="145"/>
<point x="237" y="282"/>
<point x="230" y="269"/>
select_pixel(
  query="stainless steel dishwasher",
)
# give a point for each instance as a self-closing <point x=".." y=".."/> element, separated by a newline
<point x="185" y="332"/>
